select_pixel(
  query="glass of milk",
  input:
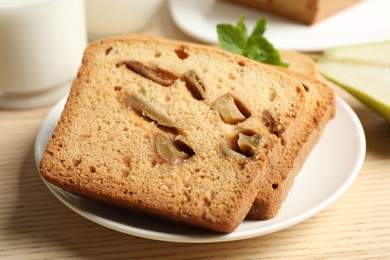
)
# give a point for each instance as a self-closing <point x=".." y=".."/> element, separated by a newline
<point x="41" y="47"/>
<point x="118" y="17"/>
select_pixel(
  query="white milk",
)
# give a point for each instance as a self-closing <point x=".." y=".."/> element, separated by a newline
<point x="41" y="45"/>
<point x="115" y="17"/>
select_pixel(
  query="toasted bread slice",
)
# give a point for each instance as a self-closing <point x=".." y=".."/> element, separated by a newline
<point x="172" y="129"/>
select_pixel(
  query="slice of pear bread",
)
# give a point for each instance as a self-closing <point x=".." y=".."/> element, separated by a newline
<point x="171" y="129"/>
<point x="275" y="186"/>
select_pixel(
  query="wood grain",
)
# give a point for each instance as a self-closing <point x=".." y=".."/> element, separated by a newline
<point x="35" y="225"/>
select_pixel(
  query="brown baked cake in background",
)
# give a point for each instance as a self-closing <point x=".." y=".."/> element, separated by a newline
<point x="303" y="11"/>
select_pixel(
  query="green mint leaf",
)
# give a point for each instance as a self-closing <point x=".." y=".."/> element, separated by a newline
<point x="254" y="53"/>
<point x="256" y="47"/>
<point x="241" y="24"/>
<point x="232" y="38"/>
<point x="269" y="54"/>
<point x="259" y="28"/>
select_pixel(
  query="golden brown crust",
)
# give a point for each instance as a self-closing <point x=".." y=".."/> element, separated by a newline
<point x="104" y="145"/>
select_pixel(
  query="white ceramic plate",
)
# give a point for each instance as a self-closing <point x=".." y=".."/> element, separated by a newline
<point x="330" y="169"/>
<point x="363" y="22"/>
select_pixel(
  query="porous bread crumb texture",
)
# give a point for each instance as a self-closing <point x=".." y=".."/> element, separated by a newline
<point x="145" y="128"/>
<point x="275" y="186"/>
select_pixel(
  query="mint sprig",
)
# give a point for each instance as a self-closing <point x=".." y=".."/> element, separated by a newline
<point x="256" y="47"/>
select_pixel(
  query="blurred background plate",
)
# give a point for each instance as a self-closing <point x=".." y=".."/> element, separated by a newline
<point x="366" y="21"/>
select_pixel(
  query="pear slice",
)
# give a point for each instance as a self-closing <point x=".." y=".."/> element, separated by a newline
<point x="376" y="53"/>
<point x="367" y="82"/>
<point x="363" y="70"/>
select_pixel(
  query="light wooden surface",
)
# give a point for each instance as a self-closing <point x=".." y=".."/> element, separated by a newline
<point x="35" y="225"/>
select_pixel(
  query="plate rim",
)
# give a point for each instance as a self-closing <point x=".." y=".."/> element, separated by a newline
<point x="209" y="237"/>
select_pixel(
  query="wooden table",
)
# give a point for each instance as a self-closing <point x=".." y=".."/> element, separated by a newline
<point x="35" y="225"/>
